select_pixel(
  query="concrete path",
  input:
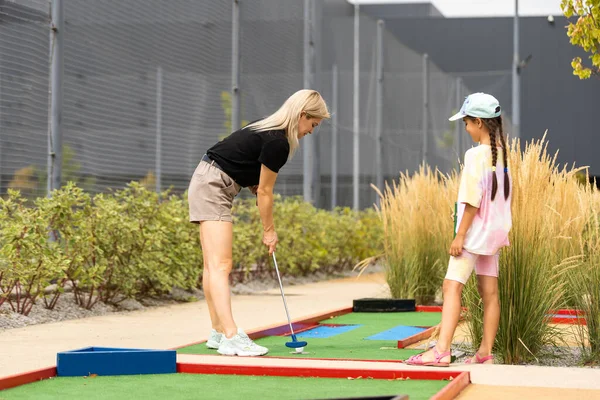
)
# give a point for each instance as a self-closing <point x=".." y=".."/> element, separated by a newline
<point x="489" y="392"/>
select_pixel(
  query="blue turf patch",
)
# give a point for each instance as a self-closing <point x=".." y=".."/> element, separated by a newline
<point x="322" y="332"/>
<point x="397" y="333"/>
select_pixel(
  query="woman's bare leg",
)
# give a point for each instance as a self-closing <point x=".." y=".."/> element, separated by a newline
<point x="214" y="318"/>
<point x="217" y="247"/>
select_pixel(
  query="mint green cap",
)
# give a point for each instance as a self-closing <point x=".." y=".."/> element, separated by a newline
<point x="480" y="105"/>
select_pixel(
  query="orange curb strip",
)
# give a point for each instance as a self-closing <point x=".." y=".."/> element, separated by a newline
<point x="27" y="377"/>
<point x="453" y="389"/>
<point x="417" y="337"/>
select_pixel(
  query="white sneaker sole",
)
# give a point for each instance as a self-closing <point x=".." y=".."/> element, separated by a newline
<point x="212" y="344"/>
<point x="242" y="353"/>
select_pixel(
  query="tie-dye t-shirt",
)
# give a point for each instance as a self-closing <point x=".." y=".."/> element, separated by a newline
<point x="489" y="230"/>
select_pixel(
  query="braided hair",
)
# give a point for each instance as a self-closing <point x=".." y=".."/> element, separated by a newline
<point x="494" y="126"/>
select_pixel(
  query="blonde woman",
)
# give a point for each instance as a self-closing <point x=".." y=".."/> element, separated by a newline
<point x="250" y="157"/>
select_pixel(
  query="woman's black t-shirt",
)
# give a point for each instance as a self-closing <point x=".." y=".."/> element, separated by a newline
<point x="241" y="154"/>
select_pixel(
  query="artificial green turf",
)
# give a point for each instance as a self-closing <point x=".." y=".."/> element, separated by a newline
<point x="218" y="387"/>
<point x="336" y="347"/>
<point x="352" y="344"/>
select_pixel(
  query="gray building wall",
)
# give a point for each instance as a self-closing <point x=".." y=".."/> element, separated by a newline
<point x="552" y="98"/>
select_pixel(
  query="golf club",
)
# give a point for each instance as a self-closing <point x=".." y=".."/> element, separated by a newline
<point x="294" y="344"/>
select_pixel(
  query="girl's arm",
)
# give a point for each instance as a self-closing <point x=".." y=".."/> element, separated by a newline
<point x="465" y="223"/>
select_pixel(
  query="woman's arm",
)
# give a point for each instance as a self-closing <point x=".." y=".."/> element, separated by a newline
<point x="264" y="195"/>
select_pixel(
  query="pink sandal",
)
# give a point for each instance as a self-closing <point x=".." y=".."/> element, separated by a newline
<point x="418" y="360"/>
<point x="479" y="360"/>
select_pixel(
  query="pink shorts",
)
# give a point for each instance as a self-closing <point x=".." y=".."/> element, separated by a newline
<point x="461" y="267"/>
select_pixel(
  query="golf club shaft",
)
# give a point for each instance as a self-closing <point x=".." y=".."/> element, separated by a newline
<point x="283" y="295"/>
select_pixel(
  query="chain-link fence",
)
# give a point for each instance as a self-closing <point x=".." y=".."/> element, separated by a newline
<point x="24" y="70"/>
<point x="148" y="88"/>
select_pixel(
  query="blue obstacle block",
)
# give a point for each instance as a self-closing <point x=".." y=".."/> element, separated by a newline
<point x="115" y="361"/>
<point x="397" y="333"/>
<point x="322" y="332"/>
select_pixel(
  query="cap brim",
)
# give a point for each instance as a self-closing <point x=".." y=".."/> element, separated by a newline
<point x="457" y="116"/>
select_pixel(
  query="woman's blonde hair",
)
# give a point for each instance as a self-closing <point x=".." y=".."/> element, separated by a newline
<point x="288" y="115"/>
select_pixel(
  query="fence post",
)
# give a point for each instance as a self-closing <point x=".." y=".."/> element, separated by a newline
<point x="378" y="109"/>
<point x="356" y="106"/>
<point x="308" y="153"/>
<point x="425" y="107"/>
<point x="516" y="77"/>
<point x="235" y="66"/>
<point x="334" y="135"/>
<point x="1" y="124"/>
<point x="158" y="167"/>
<point x="458" y="123"/>
<point x="56" y="96"/>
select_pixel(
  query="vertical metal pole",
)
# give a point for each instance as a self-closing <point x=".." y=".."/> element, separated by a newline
<point x="459" y="126"/>
<point x="334" y="136"/>
<point x="1" y="124"/>
<point x="314" y="140"/>
<point x="378" y="108"/>
<point x="307" y="154"/>
<point x="56" y="96"/>
<point x="356" y="124"/>
<point x="516" y="78"/>
<point x="158" y="167"/>
<point x="425" y="106"/>
<point x="235" y="66"/>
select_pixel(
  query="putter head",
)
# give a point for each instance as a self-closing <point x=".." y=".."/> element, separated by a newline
<point x="294" y="344"/>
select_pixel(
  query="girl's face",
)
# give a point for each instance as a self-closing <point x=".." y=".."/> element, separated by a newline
<point x="306" y="125"/>
<point x="476" y="129"/>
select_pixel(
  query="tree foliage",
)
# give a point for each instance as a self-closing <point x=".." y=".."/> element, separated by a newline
<point x="585" y="33"/>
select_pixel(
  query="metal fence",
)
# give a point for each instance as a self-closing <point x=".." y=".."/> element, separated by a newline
<point x="149" y="85"/>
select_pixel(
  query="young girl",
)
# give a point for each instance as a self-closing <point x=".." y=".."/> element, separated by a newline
<point x="483" y="222"/>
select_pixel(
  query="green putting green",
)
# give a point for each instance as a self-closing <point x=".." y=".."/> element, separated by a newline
<point x="187" y="386"/>
<point x="350" y="345"/>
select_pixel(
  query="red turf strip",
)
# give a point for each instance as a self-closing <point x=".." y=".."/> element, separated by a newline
<point x="27" y="377"/>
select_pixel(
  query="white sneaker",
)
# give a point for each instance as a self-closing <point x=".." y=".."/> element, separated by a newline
<point x="214" y="340"/>
<point x="241" y="345"/>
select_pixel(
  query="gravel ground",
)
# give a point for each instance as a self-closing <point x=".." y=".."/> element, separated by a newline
<point x="65" y="309"/>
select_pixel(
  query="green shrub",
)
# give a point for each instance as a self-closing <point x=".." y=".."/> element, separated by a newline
<point x="67" y="214"/>
<point x="310" y="239"/>
<point x="179" y="253"/>
<point x="135" y="243"/>
<point x="28" y="259"/>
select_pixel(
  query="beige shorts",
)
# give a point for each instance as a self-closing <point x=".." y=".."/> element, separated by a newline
<point x="211" y="194"/>
<point x="460" y="268"/>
